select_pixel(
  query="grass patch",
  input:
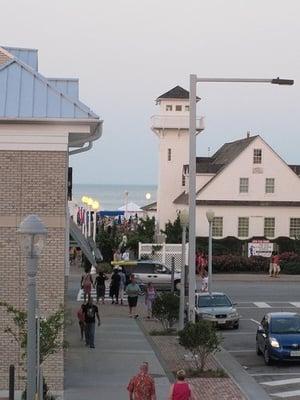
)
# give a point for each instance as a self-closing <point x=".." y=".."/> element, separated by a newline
<point x="166" y="332"/>
<point x="208" y="373"/>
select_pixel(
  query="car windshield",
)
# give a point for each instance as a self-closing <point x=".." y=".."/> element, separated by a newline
<point x="286" y="325"/>
<point x="214" y="301"/>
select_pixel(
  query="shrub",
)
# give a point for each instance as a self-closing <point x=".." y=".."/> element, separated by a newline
<point x="233" y="263"/>
<point x="166" y="309"/>
<point x="201" y="339"/>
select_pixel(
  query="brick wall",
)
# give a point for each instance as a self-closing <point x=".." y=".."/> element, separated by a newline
<point x="31" y="182"/>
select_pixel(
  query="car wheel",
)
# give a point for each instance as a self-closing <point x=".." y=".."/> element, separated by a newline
<point x="267" y="358"/>
<point x="258" y="350"/>
<point x="236" y="325"/>
<point x="177" y="285"/>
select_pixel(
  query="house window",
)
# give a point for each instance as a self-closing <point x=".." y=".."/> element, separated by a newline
<point x="294" y="227"/>
<point x="178" y="108"/>
<point x="169" y="107"/>
<point x="269" y="227"/>
<point x="217" y="226"/>
<point x="183" y="180"/>
<point x="186" y="108"/>
<point x="257" y="156"/>
<point x="169" y="154"/>
<point x="244" y="185"/>
<point x="243" y="227"/>
<point x="270" y="185"/>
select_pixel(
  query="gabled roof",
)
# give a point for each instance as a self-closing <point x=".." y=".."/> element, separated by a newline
<point x="176" y="93"/>
<point x="26" y="94"/>
<point x="150" y="207"/>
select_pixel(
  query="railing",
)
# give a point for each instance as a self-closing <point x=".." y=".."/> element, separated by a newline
<point x="174" y="122"/>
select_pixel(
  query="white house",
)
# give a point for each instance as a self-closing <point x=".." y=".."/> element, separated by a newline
<point x="250" y="188"/>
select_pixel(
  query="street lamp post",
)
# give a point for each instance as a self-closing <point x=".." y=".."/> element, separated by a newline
<point x="95" y="207"/>
<point x="184" y="220"/>
<point x="33" y="233"/>
<point x="210" y="215"/>
<point x="192" y="169"/>
<point x="90" y="203"/>
<point x="84" y="200"/>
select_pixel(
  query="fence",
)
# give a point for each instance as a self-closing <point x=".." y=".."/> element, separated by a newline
<point x="163" y="253"/>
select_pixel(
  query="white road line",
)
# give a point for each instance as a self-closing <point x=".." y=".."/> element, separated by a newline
<point x="254" y="320"/>
<point x="276" y="374"/>
<point x="261" y="304"/>
<point x="284" y="395"/>
<point x="296" y="304"/>
<point x="281" y="382"/>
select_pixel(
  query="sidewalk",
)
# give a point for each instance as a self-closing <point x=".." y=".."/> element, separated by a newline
<point x="104" y="372"/>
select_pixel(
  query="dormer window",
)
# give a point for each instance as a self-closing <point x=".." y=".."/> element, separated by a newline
<point x="257" y="156"/>
<point x="169" y="107"/>
<point x="178" y="108"/>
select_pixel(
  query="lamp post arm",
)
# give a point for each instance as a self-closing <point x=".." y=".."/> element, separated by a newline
<point x="276" y="81"/>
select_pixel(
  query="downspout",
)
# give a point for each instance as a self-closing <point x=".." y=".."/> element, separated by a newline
<point x="96" y="135"/>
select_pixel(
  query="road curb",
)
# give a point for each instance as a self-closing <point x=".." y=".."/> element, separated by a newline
<point x="248" y="385"/>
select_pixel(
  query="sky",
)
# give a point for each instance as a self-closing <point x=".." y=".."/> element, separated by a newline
<point x="128" y="52"/>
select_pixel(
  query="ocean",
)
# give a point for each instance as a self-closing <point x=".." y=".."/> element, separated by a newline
<point x="111" y="197"/>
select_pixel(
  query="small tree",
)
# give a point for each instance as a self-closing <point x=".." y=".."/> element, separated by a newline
<point x="166" y="309"/>
<point x="173" y="231"/>
<point x="201" y="339"/>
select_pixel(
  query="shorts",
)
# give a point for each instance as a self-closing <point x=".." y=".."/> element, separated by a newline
<point x="132" y="301"/>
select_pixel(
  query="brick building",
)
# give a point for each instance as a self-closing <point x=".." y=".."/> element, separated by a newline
<point x="42" y="122"/>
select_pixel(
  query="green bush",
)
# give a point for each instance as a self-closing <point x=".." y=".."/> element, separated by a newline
<point x="235" y="264"/>
<point x="201" y="339"/>
<point x="166" y="309"/>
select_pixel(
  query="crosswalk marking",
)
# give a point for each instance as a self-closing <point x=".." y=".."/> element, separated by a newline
<point x="261" y="304"/>
<point x="296" y="304"/>
<point x="94" y="295"/>
<point x="284" y="395"/>
<point x="281" y="382"/>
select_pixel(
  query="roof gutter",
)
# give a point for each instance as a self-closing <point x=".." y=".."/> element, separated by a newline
<point x="97" y="133"/>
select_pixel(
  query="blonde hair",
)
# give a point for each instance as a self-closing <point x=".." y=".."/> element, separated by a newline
<point x="180" y="375"/>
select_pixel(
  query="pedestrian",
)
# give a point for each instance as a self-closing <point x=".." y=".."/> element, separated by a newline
<point x="276" y="265"/>
<point x="122" y="284"/>
<point x="180" y="390"/>
<point x="80" y="316"/>
<point x="86" y="284"/>
<point x="142" y="386"/>
<point x="100" y="286"/>
<point x="115" y="286"/>
<point x="133" y="291"/>
<point x="150" y="295"/>
<point x="204" y="287"/>
<point x="90" y="312"/>
<point x="272" y="268"/>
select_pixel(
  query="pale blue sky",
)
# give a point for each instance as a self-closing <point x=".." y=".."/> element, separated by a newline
<point x="127" y="52"/>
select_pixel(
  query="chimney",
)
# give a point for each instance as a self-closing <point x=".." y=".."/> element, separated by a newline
<point x="248" y="134"/>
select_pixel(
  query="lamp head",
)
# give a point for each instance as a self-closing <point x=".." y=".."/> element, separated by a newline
<point x="90" y="201"/>
<point x="210" y="215"/>
<point x="95" y="205"/>
<point x="148" y="196"/>
<point x="84" y="199"/>
<point x="184" y="217"/>
<point x="33" y="233"/>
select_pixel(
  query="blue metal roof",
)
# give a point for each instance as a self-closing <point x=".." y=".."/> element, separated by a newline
<point x="28" y="56"/>
<point x="25" y="93"/>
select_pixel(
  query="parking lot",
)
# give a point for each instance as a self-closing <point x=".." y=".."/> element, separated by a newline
<point x="255" y="296"/>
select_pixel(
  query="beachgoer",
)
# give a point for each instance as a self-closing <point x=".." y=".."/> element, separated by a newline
<point x="276" y="265"/>
<point x="204" y="287"/>
<point x="125" y="255"/>
<point x="80" y="316"/>
<point x="115" y="286"/>
<point x="86" y="284"/>
<point x="150" y="295"/>
<point x="90" y="312"/>
<point x="122" y="284"/>
<point x="180" y="390"/>
<point x="142" y="386"/>
<point x="100" y="286"/>
<point x="133" y="291"/>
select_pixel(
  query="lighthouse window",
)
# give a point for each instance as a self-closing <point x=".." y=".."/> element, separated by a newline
<point x="178" y="108"/>
<point x="183" y="180"/>
<point x="169" y="154"/>
<point x="168" y="107"/>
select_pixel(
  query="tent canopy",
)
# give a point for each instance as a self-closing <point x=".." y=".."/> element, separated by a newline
<point x="131" y="208"/>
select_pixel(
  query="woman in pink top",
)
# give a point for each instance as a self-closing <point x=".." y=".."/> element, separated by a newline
<point x="180" y="390"/>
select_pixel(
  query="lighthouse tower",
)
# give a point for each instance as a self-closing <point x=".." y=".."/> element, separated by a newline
<point x="171" y="126"/>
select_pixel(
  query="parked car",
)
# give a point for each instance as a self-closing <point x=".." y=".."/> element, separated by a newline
<point x="217" y="308"/>
<point x="151" y="271"/>
<point x="278" y="337"/>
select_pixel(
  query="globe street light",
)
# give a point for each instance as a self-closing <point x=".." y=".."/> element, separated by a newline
<point x="33" y="233"/>
<point x="184" y="220"/>
<point x="210" y="215"/>
<point x="194" y="79"/>
<point x="148" y="196"/>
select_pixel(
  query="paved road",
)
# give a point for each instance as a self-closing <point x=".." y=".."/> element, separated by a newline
<point x="254" y="298"/>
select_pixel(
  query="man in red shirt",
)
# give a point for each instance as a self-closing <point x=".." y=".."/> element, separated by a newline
<point x="141" y="386"/>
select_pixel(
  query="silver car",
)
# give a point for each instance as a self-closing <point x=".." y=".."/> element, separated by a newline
<point x="217" y="308"/>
